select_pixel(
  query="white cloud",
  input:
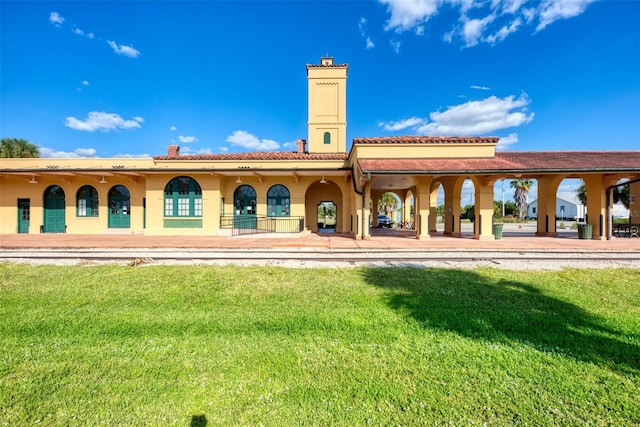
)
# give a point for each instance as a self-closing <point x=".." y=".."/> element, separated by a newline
<point x="361" y="25"/>
<point x="105" y="122"/>
<point x="473" y="29"/>
<point x="479" y="117"/>
<point x="187" y="139"/>
<point x="173" y="128"/>
<point x="187" y="150"/>
<point x="470" y="118"/>
<point x="401" y="124"/>
<point x="480" y="87"/>
<point x="246" y="140"/>
<point x="123" y="50"/>
<point x="552" y="10"/>
<point x="395" y="44"/>
<point x="224" y="149"/>
<point x="78" y="31"/>
<point x="370" y="44"/>
<point x="408" y="14"/>
<point x="492" y="21"/>
<point x="56" y="19"/>
<point x="78" y="152"/>
<point x="507" y="141"/>
<point x="503" y="32"/>
<point x="85" y="82"/>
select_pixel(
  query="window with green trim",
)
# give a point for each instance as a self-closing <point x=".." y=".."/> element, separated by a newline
<point x="183" y="197"/>
<point x="87" y="201"/>
<point x="278" y="201"/>
<point x="327" y="138"/>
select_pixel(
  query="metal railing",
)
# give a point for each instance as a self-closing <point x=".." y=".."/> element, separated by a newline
<point x="253" y="224"/>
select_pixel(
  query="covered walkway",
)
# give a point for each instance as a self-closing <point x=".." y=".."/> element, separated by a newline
<point x="514" y="238"/>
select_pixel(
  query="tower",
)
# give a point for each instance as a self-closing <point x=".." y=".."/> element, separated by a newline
<point x="327" y="121"/>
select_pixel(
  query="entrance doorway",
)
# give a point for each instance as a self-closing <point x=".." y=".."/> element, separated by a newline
<point x="327" y="217"/>
<point x="54" y="217"/>
<point x="119" y="207"/>
<point x="244" y="212"/>
<point x="24" y="215"/>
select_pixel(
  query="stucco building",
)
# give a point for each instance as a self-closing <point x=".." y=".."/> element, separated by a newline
<point x="318" y="186"/>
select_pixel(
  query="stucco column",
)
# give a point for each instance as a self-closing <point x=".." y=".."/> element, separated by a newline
<point x="596" y="204"/>
<point x="423" y="205"/>
<point x="363" y="216"/>
<point x="483" y="224"/>
<point x="546" y="215"/>
<point x="452" y="196"/>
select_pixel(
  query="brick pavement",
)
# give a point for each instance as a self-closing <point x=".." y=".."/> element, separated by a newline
<point x="382" y="239"/>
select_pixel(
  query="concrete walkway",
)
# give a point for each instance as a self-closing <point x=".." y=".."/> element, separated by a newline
<point x="513" y="238"/>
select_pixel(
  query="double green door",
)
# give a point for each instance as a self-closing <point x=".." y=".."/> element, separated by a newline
<point x="119" y="207"/>
<point x="54" y="215"/>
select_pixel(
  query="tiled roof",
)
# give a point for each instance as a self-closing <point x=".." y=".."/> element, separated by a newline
<point x="533" y="161"/>
<point x="326" y="66"/>
<point x="427" y="140"/>
<point x="267" y="155"/>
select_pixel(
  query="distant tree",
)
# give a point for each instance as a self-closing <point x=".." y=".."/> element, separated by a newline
<point x="620" y="194"/>
<point x="387" y="203"/>
<point x="18" y="148"/>
<point x="521" y="187"/>
<point x="581" y="194"/>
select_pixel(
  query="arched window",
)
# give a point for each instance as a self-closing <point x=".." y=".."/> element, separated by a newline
<point x="278" y="201"/>
<point x="327" y="138"/>
<point x="183" y="197"/>
<point x="87" y="201"/>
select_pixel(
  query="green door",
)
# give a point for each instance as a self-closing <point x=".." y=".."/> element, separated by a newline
<point x="244" y="202"/>
<point x="24" y="214"/>
<point x="119" y="207"/>
<point x="54" y="218"/>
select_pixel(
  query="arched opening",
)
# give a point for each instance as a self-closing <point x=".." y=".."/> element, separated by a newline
<point x="54" y="214"/>
<point x="468" y="211"/>
<point x="327" y="215"/>
<point x="325" y="198"/>
<point x="119" y="207"/>
<point x="389" y="210"/>
<point x="244" y="208"/>
<point x="570" y="207"/>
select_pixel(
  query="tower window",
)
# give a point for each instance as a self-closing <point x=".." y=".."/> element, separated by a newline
<point x="327" y="138"/>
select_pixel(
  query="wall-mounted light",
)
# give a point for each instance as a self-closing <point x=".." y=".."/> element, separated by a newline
<point x="103" y="181"/>
<point x="238" y="181"/>
<point x="33" y="180"/>
<point x="323" y="181"/>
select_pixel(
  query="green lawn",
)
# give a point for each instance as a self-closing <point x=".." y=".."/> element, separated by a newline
<point x="196" y="346"/>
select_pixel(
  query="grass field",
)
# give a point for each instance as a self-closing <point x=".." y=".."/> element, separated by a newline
<point x="205" y="346"/>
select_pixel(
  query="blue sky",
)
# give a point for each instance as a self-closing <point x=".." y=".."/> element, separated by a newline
<point x="129" y="78"/>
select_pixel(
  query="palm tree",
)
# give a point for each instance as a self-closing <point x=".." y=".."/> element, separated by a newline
<point x="521" y="187"/>
<point x="18" y="148"/>
<point x="387" y="203"/>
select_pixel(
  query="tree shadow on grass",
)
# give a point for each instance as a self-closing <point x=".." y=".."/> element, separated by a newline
<point x="476" y="306"/>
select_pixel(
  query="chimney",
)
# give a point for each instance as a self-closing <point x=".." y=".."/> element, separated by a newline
<point x="301" y="145"/>
<point x="173" y="151"/>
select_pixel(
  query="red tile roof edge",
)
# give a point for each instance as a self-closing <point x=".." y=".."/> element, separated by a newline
<point x="426" y="140"/>
<point x="266" y="155"/>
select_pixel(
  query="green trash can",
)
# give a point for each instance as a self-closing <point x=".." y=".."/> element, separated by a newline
<point x="497" y="231"/>
<point x="585" y="231"/>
